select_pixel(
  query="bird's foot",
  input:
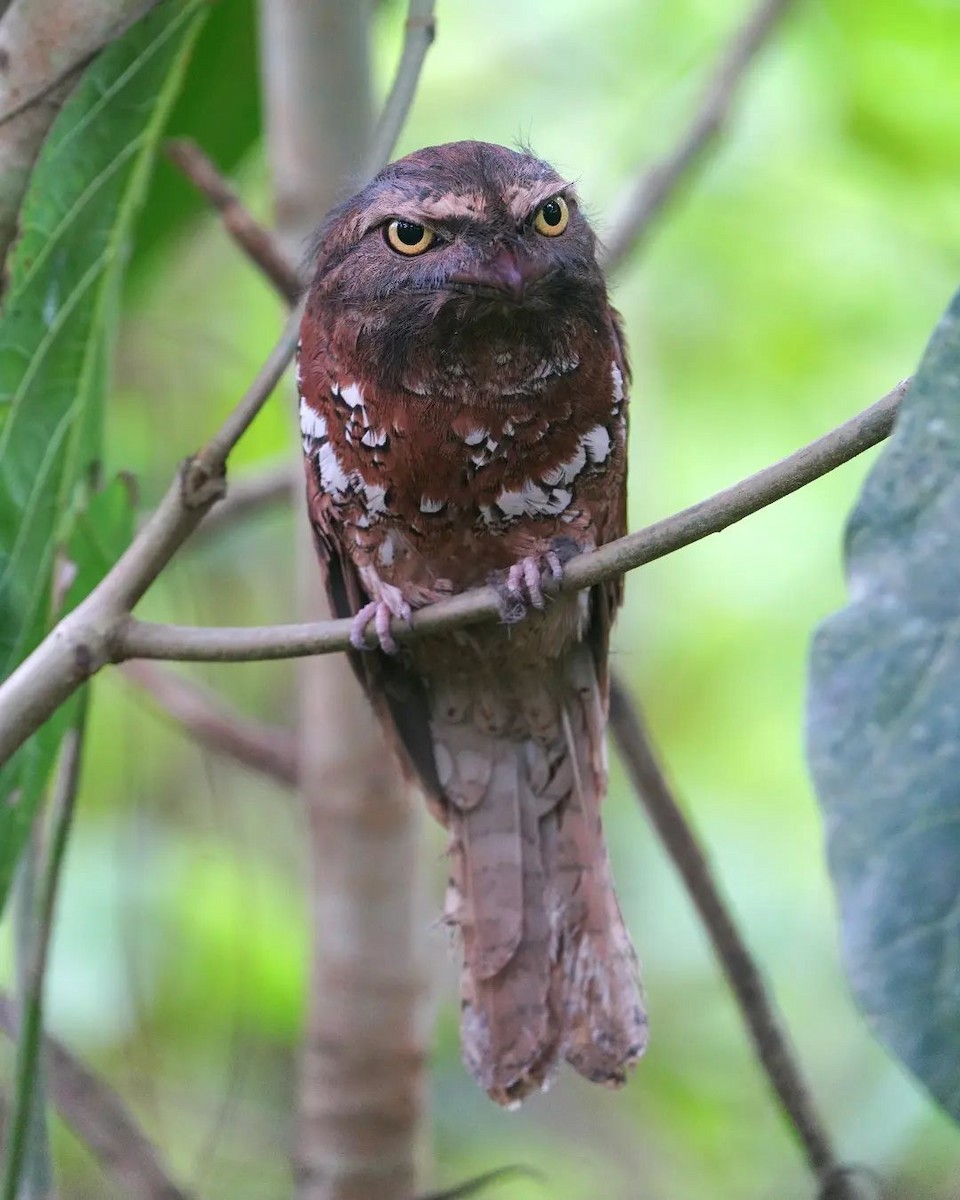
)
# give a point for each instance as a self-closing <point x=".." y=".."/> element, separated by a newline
<point x="379" y="613"/>
<point x="522" y="586"/>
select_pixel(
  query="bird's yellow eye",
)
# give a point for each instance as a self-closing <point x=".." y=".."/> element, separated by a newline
<point x="552" y="217"/>
<point x="409" y="237"/>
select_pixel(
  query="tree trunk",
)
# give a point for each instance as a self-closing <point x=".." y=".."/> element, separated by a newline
<point x="361" y="1080"/>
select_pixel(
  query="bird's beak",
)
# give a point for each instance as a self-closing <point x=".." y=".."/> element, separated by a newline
<point x="506" y="274"/>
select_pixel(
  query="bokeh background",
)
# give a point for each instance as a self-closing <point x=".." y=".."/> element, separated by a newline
<point x="795" y="282"/>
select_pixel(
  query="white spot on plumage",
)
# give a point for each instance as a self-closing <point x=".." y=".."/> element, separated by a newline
<point x="343" y="485"/>
<point x="444" y="763"/>
<point x="597" y="443"/>
<point x="374" y="437"/>
<point x="534" y="500"/>
<point x="312" y="425"/>
<point x="385" y="553"/>
<point x="430" y="506"/>
<point x="376" y="497"/>
<point x="334" y="479"/>
<point x="512" y="504"/>
<point x="560" y="499"/>
<point x="617" y="376"/>
<point x="475" y="437"/>
<point x="352" y="395"/>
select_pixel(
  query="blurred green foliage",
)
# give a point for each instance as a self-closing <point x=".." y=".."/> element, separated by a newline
<point x="794" y="283"/>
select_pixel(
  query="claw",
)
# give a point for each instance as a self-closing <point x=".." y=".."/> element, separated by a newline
<point x="523" y="584"/>
<point x="525" y="574"/>
<point x="380" y="612"/>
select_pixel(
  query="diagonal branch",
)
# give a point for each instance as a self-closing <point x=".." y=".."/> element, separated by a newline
<point x="770" y="1041"/>
<point x="101" y="630"/>
<point x="270" y="750"/>
<point x="257" y="242"/>
<point x="100" y="1119"/>
<point x="421" y="29"/>
<point x="646" y="198"/>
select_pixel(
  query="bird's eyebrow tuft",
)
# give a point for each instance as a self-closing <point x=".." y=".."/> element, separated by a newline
<point x="523" y="199"/>
<point x="423" y="207"/>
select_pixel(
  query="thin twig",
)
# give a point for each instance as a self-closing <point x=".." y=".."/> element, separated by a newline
<point x="270" y="750"/>
<point x="101" y="1120"/>
<point x="253" y="238"/>
<point x="139" y="639"/>
<point x="646" y="198"/>
<point x="31" y="1031"/>
<point x="251" y="493"/>
<point x="770" y="1040"/>
<point x="479" y="1183"/>
<point x="421" y="29"/>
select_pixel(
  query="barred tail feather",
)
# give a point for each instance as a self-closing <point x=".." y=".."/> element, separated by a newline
<point x="549" y="971"/>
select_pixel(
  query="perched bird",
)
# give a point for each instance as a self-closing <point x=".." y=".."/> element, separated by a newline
<point x="462" y="403"/>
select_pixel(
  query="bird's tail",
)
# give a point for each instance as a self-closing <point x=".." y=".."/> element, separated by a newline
<point x="549" y="971"/>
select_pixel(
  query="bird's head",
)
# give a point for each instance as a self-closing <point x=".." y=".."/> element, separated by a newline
<point x="462" y="265"/>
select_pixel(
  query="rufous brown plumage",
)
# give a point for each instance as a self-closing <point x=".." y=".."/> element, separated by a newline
<point x="463" y="410"/>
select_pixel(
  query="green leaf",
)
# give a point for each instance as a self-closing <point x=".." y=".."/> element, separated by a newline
<point x="218" y="107"/>
<point x="56" y="334"/>
<point x="884" y="731"/>
<point x="100" y="534"/>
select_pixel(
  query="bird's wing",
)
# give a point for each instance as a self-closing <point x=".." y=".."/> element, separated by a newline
<point x="606" y="598"/>
<point x="395" y="690"/>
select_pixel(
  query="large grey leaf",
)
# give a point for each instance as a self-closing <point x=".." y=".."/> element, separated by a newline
<point x="884" y="731"/>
